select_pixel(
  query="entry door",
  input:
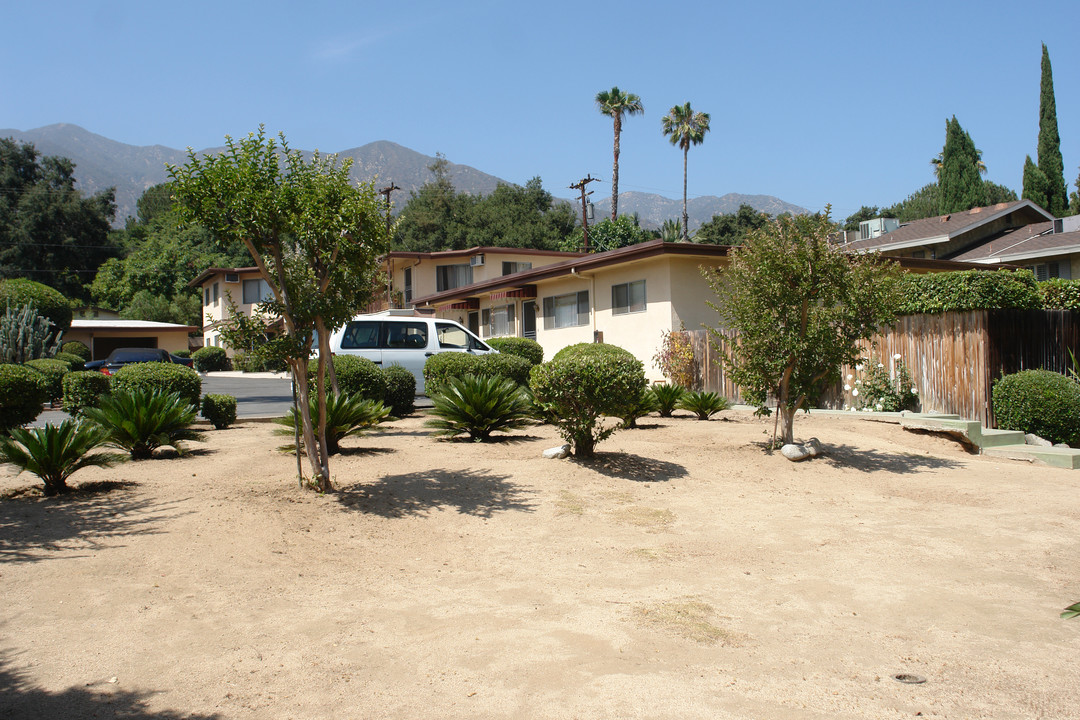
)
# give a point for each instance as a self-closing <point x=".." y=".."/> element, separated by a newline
<point x="528" y="319"/>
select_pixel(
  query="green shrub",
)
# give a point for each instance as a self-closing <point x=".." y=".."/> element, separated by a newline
<point x="142" y="419"/>
<point x="346" y="416"/>
<point x="22" y="392"/>
<point x="522" y="347"/>
<point x="881" y="391"/>
<point x="54" y="453"/>
<point x="400" y="391"/>
<point x="478" y="406"/>
<point x="703" y="404"/>
<point x="75" y="363"/>
<point x="645" y="405"/>
<point x="83" y="389"/>
<point x="183" y="353"/>
<point x="48" y="302"/>
<point x="76" y="348"/>
<point x="1041" y="402"/>
<point x="667" y="397"/>
<point x="355" y="376"/>
<point x="1059" y="294"/>
<point x="159" y="376"/>
<point x="210" y="359"/>
<point x="581" y="387"/>
<point x="53" y="372"/>
<point x="220" y="410"/>
<point x="592" y="349"/>
<point x="511" y="367"/>
<point x="444" y="366"/>
<point x="968" y="290"/>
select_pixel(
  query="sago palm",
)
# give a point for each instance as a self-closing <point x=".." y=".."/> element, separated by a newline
<point x="478" y="406"/>
<point x="55" y="452"/>
<point x="346" y="416"/>
<point x="667" y="397"/>
<point x="140" y="421"/>
<point x="615" y="103"/>
<point x="703" y="404"/>
<point x="685" y="128"/>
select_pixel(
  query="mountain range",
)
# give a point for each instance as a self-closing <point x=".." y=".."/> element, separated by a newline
<point x="101" y="163"/>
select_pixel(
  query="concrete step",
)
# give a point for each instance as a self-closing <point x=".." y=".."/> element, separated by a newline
<point x="1068" y="458"/>
<point x="997" y="438"/>
<point x="969" y="431"/>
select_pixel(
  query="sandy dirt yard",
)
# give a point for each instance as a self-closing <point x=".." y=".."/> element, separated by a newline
<point x="685" y="573"/>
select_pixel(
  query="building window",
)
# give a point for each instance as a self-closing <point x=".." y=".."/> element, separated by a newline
<point x="628" y="297"/>
<point x="206" y="296"/>
<point x="1046" y="271"/>
<point x="215" y="293"/>
<point x="562" y="311"/>
<point x="256" y="291"/>
<point x="499" y="321"/>
<point x="448" y="277"/>
<point x="408" y="285"/>
<point x="509" y="268"/>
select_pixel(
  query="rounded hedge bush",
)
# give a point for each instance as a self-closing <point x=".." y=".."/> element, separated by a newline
<point x="400" y="391"/>
<point x="76" y="348"/>
<point x="522" y="347"/>
<point x="53" y="372"/>
<point x="83" y="389"/>
<point x="1040" y="402"/>
<point x="511" y="367"/>
<point x="592" y="349"/>
<point x="166" y="377"/>
<point x="355" y="376"/>
<point x="47" y="301"/>
<point x="444" y="366"/>
<point x="183" y="353"/>
<point x="210" y="359"/>
<point x="220" y="410"/>
<point x="22" y="392"/>
<point x="75" y="362"/>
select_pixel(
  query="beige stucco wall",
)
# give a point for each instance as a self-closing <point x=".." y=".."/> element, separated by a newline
<point x="171" y="340"/>
<point x="423" y="269"/>
<point x="216" y="311"/>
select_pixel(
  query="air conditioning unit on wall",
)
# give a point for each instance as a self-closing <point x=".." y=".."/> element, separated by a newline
<point x="477" y="260"/>
<point x="232" y="277"/>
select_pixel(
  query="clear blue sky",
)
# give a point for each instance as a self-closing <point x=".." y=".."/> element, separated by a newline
<point x="815" y="103"/>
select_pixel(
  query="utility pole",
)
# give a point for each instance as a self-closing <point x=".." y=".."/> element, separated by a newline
<point x="385" y="192"/>
<point x="580" y="185"/>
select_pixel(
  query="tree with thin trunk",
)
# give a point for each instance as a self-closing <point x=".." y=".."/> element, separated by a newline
<point x="685" y="128"/>
<point x="799" y="306"/>
<point x="615" y="103"/>
<point x="314" y="236"/>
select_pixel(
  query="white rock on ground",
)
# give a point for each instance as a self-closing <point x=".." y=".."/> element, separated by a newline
<point x="557" y="453"/>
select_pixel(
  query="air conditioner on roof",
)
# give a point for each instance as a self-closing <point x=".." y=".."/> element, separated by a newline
<point x="477" y="260"/>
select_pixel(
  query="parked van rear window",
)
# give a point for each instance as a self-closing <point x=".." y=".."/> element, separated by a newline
<point x="361" y="334"/>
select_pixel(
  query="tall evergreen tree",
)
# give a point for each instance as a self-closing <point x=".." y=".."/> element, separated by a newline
<point x="959" y="180"/>
<point x="1035" y="184"/>
<point x="1050" y="162"/>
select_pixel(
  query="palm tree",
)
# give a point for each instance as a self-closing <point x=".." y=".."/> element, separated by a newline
<point x="616" y="103"/>
<point x="686" y="128"/>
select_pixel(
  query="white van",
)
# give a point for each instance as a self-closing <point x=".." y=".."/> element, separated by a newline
<point x="404" y="340"/>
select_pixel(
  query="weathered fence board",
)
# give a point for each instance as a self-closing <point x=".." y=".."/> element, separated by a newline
<point x="954" y="358"/>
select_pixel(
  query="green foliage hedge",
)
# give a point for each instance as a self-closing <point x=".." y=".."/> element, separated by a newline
<point x="1042" y="402"/>
<point x="47" y="301"/>
<point x="935" y="293"/>
<point x="1058" y="294"/>
<point x="442" y="367"/>
<point x="53" y="372"/>
<point x="22" y="392"/>
<point x="166" y="377"/>
<point x="581" y="386"/>
<point x="220" y="410"/>
<point x="522" y="347"/>
<point x="210" y="359"/>
<point x="76" y="348"/>
<point x="83" y="389"/>
<point x="74" y="362"/>
<point x="356" y="376"/>
<point x="592" y="349"/>
<point x="400" y="391"/>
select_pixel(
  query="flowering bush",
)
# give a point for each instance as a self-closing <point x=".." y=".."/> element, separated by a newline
<point x="675" y="358"/>
<point x="881" y="390"/>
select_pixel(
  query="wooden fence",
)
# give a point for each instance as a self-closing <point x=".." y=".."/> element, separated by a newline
<point x="954" y="358"/>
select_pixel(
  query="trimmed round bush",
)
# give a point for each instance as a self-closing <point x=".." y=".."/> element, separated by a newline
<point x="400" y="391"/>
<point x="522" y="347"/>
<point x="443" y="366"/>
<point x="166" y="377"/>
<point x="83" y="389"/>
<point x="76" y="348"/>
<point x="210" y="359"/>
<point x="511" y="367"/>
<point x="355" y="376"/>
<point x="183" y="353"/>
<point x="220" y="410"/>
<point x="592" y="349"/>
<point x="22" y="392"/>
<point x="53" y="371"/>
<point x="582" y="386"/>
<point x="1040" y="402"/>
<point x="75" y="362"/>
<point x="47" y="301"/>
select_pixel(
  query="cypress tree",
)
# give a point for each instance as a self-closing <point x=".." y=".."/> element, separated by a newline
<point x="1035" y="184"/>
<point x="960" y="184"/>
<point x="1050" y="162"/>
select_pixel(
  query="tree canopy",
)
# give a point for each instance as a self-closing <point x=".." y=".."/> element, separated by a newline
<point x="49" y="231"/>
<point x="607" y="235"/>
<point x="960" y="182"/>
<point x="731" y="228"/>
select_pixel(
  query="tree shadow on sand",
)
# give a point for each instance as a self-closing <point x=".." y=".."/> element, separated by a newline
<point x="868" y="461"/>
<point x="93" y="517"/>
<point x="22" y="700"/>
<point x="470" y="492"/>
<point x="633" y="467"/>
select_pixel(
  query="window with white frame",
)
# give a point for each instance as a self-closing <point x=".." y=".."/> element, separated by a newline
<point x="498" y="321"/>
<point x="257" y="291"/>
<point x="1046" y="271"/>
<point x="628" y="297"/>
<point x="562" y="311"/>
<point x="448" y="277"/>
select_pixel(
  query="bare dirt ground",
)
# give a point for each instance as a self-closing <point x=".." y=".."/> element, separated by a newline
<point x="685" y="573"/>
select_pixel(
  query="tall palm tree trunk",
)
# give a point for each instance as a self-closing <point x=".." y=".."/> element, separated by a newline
<point x="685" y="218"/>
<point x="615" y="171"/>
